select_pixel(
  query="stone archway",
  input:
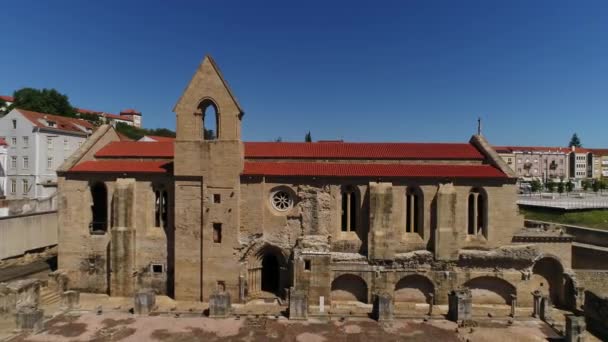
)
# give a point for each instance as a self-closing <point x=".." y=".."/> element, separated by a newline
<point x="490" y="290"/>
<point x="270" y="274"/>
<point x="348" y="288"/>
<point x="267" y="271"/>
<point x="414" y="288"/>
<point x="548" y="278"/>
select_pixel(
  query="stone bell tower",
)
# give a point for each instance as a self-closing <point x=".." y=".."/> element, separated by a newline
<point x="207" y="186"/>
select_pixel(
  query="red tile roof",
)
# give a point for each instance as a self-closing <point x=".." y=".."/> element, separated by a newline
<point x="599" y="151"/>
<point x="123" y="166"/>
<point x="116" y="117"/>
<point x="62" y="123"/>
<point x="159" y="138"/>
<point x="106" y="115"/>
<point x="137" y="149"/>
<point x="87" y="111"/>
<point x="3" y="142"/>
<point x="340" y="150"/>
<point x="310" y="150"/>
<point x="371" y="170"/>
<point x="7" y="98"/>
<point x="130" y="111"/>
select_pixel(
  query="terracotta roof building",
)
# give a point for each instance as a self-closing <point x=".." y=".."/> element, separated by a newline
<point x="38" y="144"/>
<point x="196" y="218"/>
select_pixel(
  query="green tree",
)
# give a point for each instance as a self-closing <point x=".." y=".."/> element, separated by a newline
<point x="575" y="141"/>
<point x="308" y="137"/>
<point x="595" y="185"/>
<point x="585" y="184"/>
<point x="560" y="187"/>
<point x="535" y="186"/>
<point x="48" y="101"/>
<point x="602" y="184"/>
<point x="550" y="186"/>
<point x="569" y="186"/>
<point x="2" y="105"/>
<point x="136" y="133"/>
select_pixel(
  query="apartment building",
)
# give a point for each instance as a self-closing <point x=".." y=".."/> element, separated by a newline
<point x="38" y="144"/>
<point x="536" y="162"/>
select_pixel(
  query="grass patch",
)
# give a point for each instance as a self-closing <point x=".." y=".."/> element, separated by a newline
<point x="594" y="218"/>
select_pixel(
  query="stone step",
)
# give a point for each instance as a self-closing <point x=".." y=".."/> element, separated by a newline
<point x="49" y="297"/>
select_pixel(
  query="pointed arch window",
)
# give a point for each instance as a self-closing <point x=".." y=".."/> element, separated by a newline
<point x="350" y="209"/>
<point x="210" y="120"/>
<point x="161" y="207"/>
<point x="477" y="213"/>
<point x="413" y="210"/>
<point x="99" y="209"/>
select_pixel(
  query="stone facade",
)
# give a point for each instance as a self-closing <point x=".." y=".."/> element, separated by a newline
<point x="339" y="228"/>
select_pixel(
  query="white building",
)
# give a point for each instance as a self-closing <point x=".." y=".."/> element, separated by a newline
<point x="3" y="163"/>
<point x="38" y="143"/>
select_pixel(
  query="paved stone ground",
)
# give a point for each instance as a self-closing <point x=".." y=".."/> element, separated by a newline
<point x="116" y="326"/>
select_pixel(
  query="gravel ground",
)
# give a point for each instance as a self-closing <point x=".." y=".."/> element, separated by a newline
<point x="116" y="326"/>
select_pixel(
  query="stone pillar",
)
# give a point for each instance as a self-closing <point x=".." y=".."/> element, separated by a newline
<point x="219" y="305"/>
<point x="382" y="242"/>
<point x="536" y="303"/>
<point x="446" y="235"/>
<point x="29" y="319"/>
<point x="460" y="305"/>
<point x="298" y="304"/>
<point x="70" y="300"/>
<point x="579" y="297"/>
<point x="144" y="301"/>
<point x="122" y="252"/>
<point x="431" y="303"/>
<point x="383" y="307"/>
<point x="242" y="289"/>
<point x="545" y="308"/>
<point x="513" y="304"/>
<point x="575" y="328"/>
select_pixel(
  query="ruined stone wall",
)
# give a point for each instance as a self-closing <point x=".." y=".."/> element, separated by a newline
<point x="593" y="280"/>
<point x="86" y="257"/>
<point x="81" y="254"/>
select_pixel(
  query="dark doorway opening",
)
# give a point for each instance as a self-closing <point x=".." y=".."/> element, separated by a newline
<point x="270" y="274"/>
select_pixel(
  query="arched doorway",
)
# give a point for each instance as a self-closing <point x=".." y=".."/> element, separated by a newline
<point x="414" y="289"/>
<point x="348" y="288"/>
<point x="270" y="274"/>
<point x="548" y="278"/>
<point x="490" y="290"/>
<point x="267" y="272"/>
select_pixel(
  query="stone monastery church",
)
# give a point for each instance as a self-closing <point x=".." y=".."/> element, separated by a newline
<point x="335" y="221"/>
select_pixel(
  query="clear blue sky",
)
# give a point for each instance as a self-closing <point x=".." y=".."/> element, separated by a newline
<point x="535" y="71"/>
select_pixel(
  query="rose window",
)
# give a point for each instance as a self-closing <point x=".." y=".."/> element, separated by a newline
<point x="282" y="201"/>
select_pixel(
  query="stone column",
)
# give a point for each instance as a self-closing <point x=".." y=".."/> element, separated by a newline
<point x="242" y="289"/>
<point x="383" y="307"/>
<point x="545" y="308"/>
<point x="70" y="300"/>
<point x="144" y="301"/>
<point x="446" y="236"/>
<point x="219" y="305"/>
<point x="29" y="319"/>
<point x="536" y="303"/>
<point x="575" y="328"/>
<point x="460" y="305"/>
<point x="513" y="304"/>
<point x="122" y="252"/>
<point x="431" y="303"/>
<point x="298" y="304"/>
